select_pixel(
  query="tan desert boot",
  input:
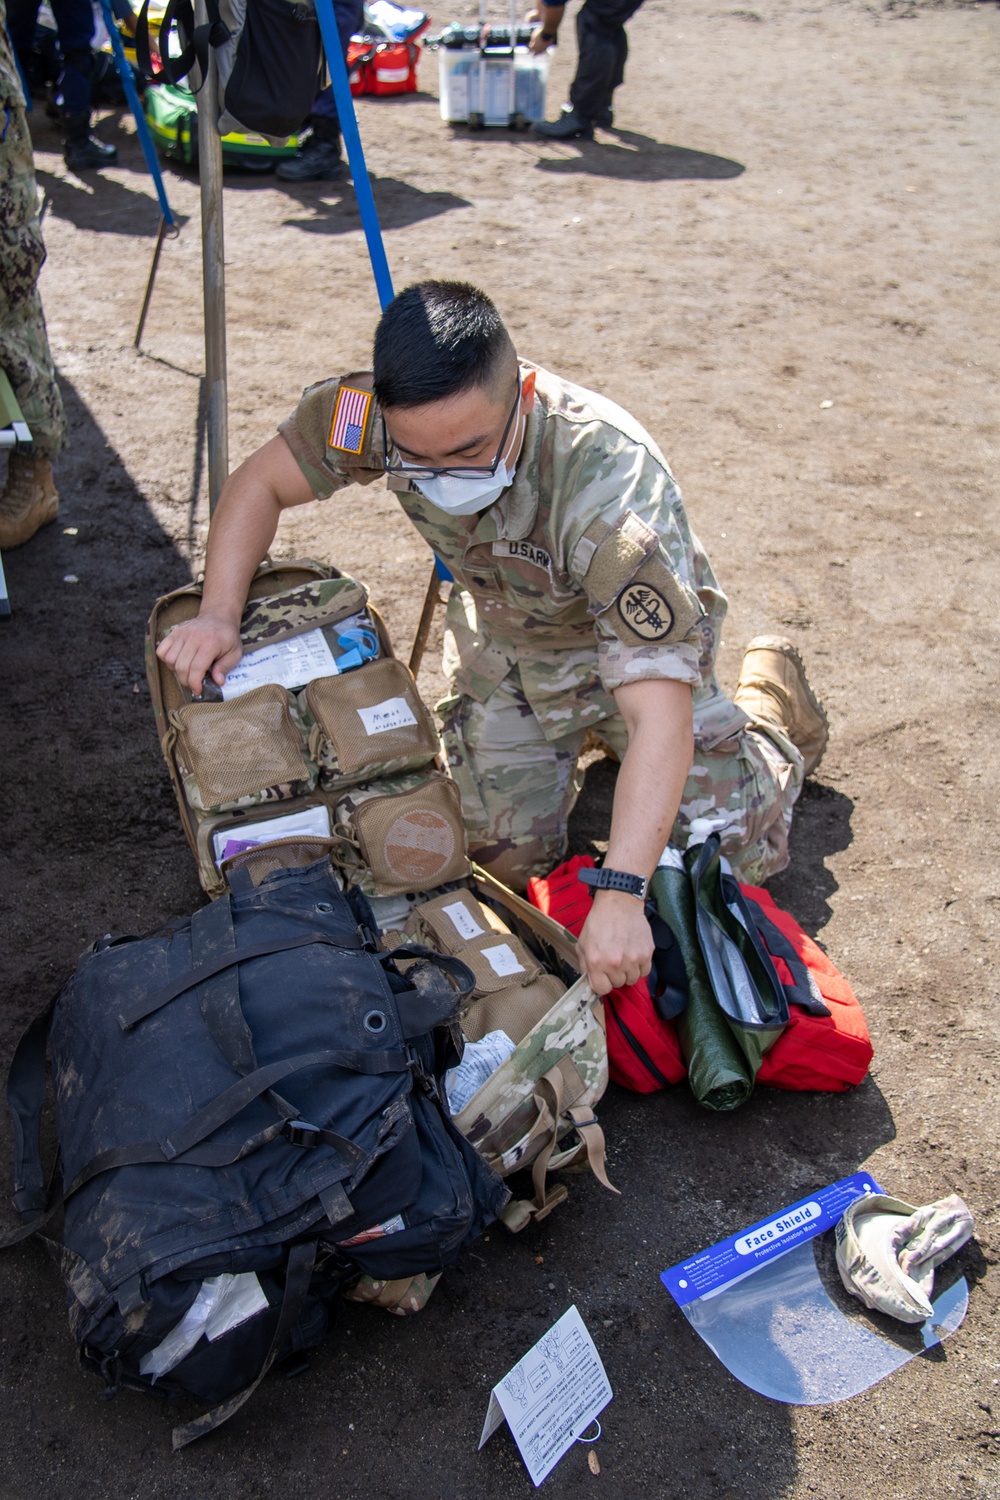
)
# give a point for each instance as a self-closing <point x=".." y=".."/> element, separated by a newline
<point x="29" y="501"/>
<point x="773" y="686"/>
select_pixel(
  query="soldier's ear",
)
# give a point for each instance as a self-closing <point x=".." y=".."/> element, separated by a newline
<point x="527" y="393"/>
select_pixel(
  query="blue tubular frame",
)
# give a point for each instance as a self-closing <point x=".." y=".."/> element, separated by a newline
<point x="145" y="139"/>
<point x="337" y="65"/>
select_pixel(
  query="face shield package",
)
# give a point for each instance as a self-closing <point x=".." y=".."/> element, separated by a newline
<point x="770" y="1304"/>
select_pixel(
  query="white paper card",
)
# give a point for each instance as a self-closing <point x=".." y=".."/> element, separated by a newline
<point x="394" y="713"/>
<point x="462" y="920"/>
<point x="291" y="664"/>
<point x="550" y="1396"/>
<point x="312" y="822"/>
<point x="503" y="960"/>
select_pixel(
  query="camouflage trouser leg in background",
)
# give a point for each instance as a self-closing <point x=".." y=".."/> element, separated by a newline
<point x="518" y="788"/>
<point x="27" y="361"/>
<point x="24" y="343"/>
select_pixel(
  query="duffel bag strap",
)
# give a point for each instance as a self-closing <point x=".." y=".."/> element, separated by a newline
<point x="132" y="1015"/>
<point x="298" y="1275"/>
<point x="591" y="1146"/>
<point x="26" y="1100"/>
<point x="185" y="1144"/>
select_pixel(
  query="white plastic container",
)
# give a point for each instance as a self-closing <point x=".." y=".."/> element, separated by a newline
<point x="475" y="86"/>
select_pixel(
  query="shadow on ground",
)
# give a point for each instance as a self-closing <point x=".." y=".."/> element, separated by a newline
<point x="638" y="158"/>
<point x="398" y="204"/>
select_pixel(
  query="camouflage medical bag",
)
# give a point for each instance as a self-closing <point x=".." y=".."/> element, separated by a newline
<point x="536" y="1110"/>
<point x="261" y="758"/>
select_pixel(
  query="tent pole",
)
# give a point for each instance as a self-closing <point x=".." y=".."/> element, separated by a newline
<point x="213" y="271"/>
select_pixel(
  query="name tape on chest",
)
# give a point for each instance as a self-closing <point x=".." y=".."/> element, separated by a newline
<point x="524" y="552"/>
<point x="350" y="418"/>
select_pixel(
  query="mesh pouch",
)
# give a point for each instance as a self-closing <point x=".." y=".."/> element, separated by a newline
<point x="499" y="961"/>
<point x="450" y="922"/>
<point x="241" y="753"/>
<point x="368" y="723"/>
<point x="515" y="1010"/>
<point x="404" y="836"/>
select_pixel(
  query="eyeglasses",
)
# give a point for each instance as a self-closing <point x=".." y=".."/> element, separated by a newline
<point x="418" y="471"/>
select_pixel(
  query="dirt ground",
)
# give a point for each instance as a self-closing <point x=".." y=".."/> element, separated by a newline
<point x="782" y="260"/>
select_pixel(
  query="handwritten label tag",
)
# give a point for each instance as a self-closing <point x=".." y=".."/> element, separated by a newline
<point x="550" y="1396"/>
<point x="462" y="920"/>
<point x="394" y="713"/>
<point x="503" y="960"/>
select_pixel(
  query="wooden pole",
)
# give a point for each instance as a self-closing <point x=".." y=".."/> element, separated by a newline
<point x="213" y="271"/>
<point x="432" y="598"/>
<point x="160" y="236"/>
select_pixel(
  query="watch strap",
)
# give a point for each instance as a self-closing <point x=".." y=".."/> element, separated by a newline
<point x="615" y="880"/>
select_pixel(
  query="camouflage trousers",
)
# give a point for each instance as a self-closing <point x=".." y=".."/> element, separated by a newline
<point x="25" y="356"/>
<point x="518" y="788"/>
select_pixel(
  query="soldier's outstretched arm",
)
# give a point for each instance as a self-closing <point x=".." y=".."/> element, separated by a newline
<point x="616" y="944"/>
<point x="241" y="532"/>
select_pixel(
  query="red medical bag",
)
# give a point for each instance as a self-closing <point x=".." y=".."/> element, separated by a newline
<point x="826" y="1053"/>
<point x="383" y="67"/>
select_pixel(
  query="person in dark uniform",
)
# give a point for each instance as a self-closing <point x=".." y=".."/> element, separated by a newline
<point x="75" y="25"/>
<point x="602" y="47"/>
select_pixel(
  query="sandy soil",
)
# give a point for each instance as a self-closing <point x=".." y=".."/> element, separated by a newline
<point x="782" y="260"/>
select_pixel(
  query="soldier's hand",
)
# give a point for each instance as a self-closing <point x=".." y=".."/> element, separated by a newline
<point x="616" y="944"/>
<point x="209" y="642"/>
<point x="538" y="43"/>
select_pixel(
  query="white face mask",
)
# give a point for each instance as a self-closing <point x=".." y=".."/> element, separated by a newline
<point x="466" y="497"/>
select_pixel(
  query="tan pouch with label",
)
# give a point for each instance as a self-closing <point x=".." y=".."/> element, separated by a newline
<point x="449" y="922"/>
<point x="368" y="723"/>
<point x="498" y="961"/>
<point x="242" y="753"/>
<point x="404" y="836"/>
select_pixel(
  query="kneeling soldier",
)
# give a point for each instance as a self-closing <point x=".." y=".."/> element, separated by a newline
<point x="582" y="602"/>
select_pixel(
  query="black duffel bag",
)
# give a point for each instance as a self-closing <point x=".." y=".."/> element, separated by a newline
<point x="249" y="1114"/>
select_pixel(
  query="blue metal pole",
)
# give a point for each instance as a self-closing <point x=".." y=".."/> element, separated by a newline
<point x="337" y="64"/>
<point x="145" y="139"/>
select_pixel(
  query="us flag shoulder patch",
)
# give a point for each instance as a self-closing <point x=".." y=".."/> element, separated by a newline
<point x="350" y="415"/>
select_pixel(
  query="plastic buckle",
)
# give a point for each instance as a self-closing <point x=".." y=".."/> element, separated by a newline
<point x="300" y="1133"/>
<point x="420" y="1073"/>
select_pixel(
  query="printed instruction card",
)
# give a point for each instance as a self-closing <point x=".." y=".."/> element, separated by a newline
<point x="551" y="1396"/>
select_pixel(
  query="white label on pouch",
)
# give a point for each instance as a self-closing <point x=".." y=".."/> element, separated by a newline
<point x="394" y="713"/>
<point x="291" y="664"/>
<point x="503" y="960"/>
<point x="462" y="920"/>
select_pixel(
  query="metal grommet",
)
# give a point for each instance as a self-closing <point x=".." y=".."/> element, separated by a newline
<point x="323" y="906"/>
<point x="376" y="1021"/>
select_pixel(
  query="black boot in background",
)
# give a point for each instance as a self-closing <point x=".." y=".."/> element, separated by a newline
<point x="319" y="159"/>
<point x="81" y="150"/>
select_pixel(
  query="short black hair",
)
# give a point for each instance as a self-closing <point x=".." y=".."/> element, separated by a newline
<point x="438" y="338"/>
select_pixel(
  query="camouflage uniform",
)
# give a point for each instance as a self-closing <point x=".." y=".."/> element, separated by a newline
<point x="584" y="576"/>
<point x="24" y="345"/>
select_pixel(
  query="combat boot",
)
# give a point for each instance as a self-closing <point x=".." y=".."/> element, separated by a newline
<point x="29" y="500"/>
<point x="569" y="126"/>
<point x="319" y="160"/>
<point x="773" y="686"/>
<point x="82" y="151"/>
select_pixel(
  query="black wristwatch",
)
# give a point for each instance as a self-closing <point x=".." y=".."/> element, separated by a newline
<point x="616" y="880"/>
<point x="550" y="37"/>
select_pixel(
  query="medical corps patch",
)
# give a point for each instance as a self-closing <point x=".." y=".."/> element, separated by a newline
<point x="347" y="430"/>
<point x="645" y="611"/>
